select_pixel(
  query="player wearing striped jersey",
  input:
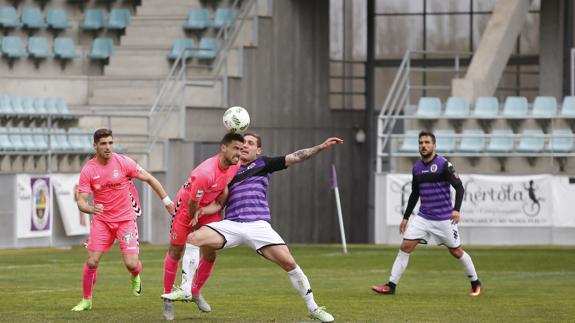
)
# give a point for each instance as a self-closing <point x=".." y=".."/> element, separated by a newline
<point x="247" y="215"/>
<point x="107" y="176"/>
<point x="432" y="177"/>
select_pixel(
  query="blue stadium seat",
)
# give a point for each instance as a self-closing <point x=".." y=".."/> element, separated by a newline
<point x="545" y="106"/>
<point x="60" y="140"/>
<point x="208" y="49"/>
<point x="57" y="19"/>
<point x="486" y="107"/>
<point x="568" y="106"/>
<point x="50" y="105"/>
<point x="224" y="17"/>
<point x="5" y="104"/>
<point x="28" y="140"/>
<point x="12" y="47"/>
<point x="79" y="140"/>
<point x="16" y="139"/>
<point x="9" y="18"/>
<point x="5" y="143"/>
<point x="428" y="107"/>
<point x="32" y="18"/>
<point x="17" y="106"/>
<point x="93" y="19"/>
<point x="532" y="141"/>
<point x="179" y="45"/>
<point x="515" y="106"/>
<point x="198" y="19"/>
<point x="561" y="141"/>
<point x="410" y="142"/>
<point x="472" y="141"/>
<point x="445" y="140"/>
<point x="38" y="48"/>
<point x="501" y="141"/>
<point x="40" y="138"/>
<point x="39" y="106"/>
<point x="28" y="105"/>
<point x="102" y="48"/>
<point x="64" y="48"/>
<point x="62" y="106"/>
<point x="457" y="106"/>
<point x="119" y="19"/>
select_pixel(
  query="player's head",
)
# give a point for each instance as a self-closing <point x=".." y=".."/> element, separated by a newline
<point x="426" y="144"/>
<point x="252" y="147"/>
<point x="103" y="143"/>
<point x="230" y="147"/>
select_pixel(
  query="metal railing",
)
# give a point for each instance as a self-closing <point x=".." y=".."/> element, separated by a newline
<point x="172" y="94"/>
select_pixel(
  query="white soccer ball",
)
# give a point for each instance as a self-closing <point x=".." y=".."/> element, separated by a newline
<point x="236" y="119"/>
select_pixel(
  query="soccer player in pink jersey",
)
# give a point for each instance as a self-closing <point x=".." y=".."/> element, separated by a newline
<point x="205" y="185"/>
<point x="107" y="176"/>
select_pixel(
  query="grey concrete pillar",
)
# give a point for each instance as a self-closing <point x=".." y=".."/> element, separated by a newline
<point x="551" y="32"/>
<point x="495" y="48"/>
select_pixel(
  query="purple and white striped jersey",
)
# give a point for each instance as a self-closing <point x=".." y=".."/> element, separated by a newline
<point x="247" y="199"/>
<point x="431" y="183"/>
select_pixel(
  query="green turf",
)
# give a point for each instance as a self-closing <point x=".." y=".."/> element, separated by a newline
<point x="521" y="284"/>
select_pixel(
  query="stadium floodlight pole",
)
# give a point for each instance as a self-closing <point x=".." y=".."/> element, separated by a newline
<point x="338" y="203"/>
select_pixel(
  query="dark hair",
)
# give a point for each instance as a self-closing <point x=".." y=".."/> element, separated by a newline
<point x="255" y="135"/>
<point x="102" y="133"/>
<point x="427" y="134"/>
<point x="232" y="136"/>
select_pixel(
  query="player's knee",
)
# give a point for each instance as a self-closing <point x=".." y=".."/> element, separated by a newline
<point x="209" y="256"/>
<point x="175" y="252"/>
<point x="288" y="265"/>
<point x="92" y="263"/>
<point x="457" y="253"/>
<point x="132" y="265"/>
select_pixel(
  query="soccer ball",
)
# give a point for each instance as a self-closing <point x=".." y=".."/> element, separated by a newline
<point x="236" y="119"/>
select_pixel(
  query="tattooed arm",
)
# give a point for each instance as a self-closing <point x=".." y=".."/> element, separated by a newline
<point x="303" y="154"/>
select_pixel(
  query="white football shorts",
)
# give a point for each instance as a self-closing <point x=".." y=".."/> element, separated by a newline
<point x="256" y="234"/>
<point x="443" y="232"/>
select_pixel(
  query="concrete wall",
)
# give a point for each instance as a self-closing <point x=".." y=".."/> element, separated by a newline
<point x="285" y="89"/>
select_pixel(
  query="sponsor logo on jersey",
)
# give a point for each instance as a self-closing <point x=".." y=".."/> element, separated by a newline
<point x="199" y="194"/>
<point x="116" y="173"/>
<point x="127" y="237"/>
<point x="433" y="168"/>
<point x="252" y="165"/>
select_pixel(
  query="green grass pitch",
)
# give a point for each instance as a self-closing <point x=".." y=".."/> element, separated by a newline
<point x="520" y="284"/>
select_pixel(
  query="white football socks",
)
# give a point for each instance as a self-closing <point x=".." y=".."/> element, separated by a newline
<point x="301" y="284"/>
<point x="189" y="265"/>
<point x="399" y="266"/>
<point x="469" y="267"/>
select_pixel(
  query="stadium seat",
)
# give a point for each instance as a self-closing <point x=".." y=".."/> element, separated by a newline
<point x="93" y="19"/>
<point x="32" y="18"/>
<point x="16" y="139"/>
<point x="102" y="48"/>
<point x="17" y="106"/>
<point x="28" y="105"/>
<point x="38" y="48"/>
<point x="224" y="17"/>
<point x="545" y="106"/>
<point x="198" y="19"/>
<point x="119" y="19"/>
<point x="28" y="140"/>
<point x="12" y="47"/>
<point x="179" y="45"/>
<point x="486" y="107"/>
<point x="57" y="19"/>
<point x="5" y="143"/>
<point x="50" y="106"/>
<point x="64" y="48"/>
<point x="561" y="141"/>
<point x="60" y="140"/>
<point x="501" y="141"/>
<point x="532" y="141"/>
<point x="61" y="106"/>
<point x="9" y="18"/>
<point x="445" y="140"/>
<point x="568" y="106"/>
<point x="208" y="49"/>
<point x="457" y="106"/>
<point x="428" y="107"/>
<point x="472" y="141"/>
<point x="39" y="106"/>
<point x="410" y="142"/>
<point x="79" y="140"/>
<point x="515" y="106"/>
<point x="5" y="104"/>
<point x="40" y="138"/>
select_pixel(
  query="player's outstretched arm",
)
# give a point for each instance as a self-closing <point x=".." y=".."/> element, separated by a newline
<point x="158" y="188"/>
<point x="304" y="154"/>
<point x="217" y="205"/>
